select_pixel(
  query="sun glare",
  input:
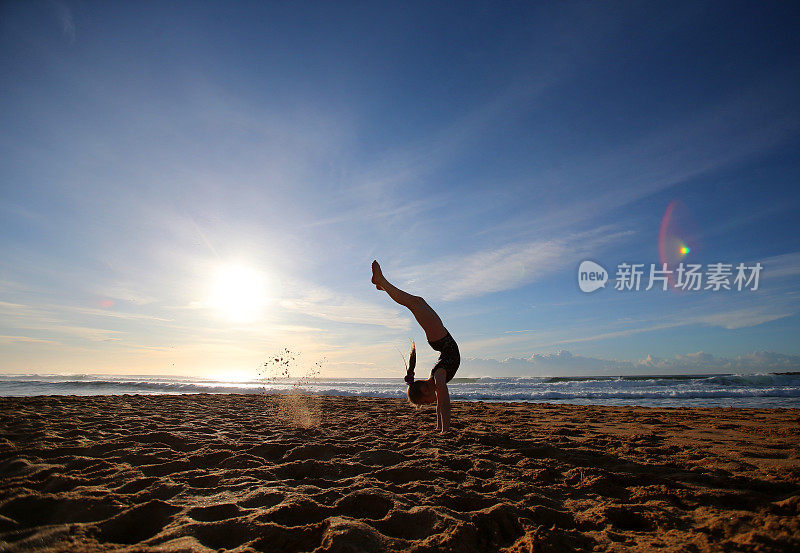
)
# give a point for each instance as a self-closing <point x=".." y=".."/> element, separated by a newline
<point x="233" y="375"/>
<point x="239" y="292"/>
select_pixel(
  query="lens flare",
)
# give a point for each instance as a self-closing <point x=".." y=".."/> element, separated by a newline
<point x="676" y="236"/>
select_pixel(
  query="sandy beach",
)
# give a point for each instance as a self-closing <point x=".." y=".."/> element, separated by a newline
<point x="254" y="473"/>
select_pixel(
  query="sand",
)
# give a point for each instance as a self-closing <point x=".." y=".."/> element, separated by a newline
<point x="232" y="472"/>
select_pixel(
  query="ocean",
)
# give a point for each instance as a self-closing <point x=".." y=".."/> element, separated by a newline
<point x="719" y="390"/>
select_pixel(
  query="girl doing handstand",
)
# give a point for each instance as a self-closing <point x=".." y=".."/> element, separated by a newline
<point x="434" y="389"/>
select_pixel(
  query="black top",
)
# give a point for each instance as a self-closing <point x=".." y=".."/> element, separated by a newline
<point x="449" y="358"/>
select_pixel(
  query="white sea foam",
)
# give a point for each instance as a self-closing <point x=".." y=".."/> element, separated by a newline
<point x="753" y="390"/>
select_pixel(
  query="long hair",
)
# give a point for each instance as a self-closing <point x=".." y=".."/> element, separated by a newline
<point x="414" y="391"/>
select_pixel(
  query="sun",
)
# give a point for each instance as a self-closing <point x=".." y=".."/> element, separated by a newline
<point x="239" y="292"/>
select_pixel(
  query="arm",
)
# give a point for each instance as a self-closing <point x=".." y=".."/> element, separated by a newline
<point x="442" y="401"/>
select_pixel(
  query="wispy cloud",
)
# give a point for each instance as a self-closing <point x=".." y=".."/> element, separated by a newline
<point x="781" y="266"/>
<point x="378" y="188"/>
<point x="745" y="317"/>
<point x="65" y="20"/>
<point x="55" y="320"/>
<point x="589" y="185"/>
<point x="507" y="267"/>
<point x="87" y="333"/>
<point x="408" y="210"/>
<point x="27" y="340"/>
<point x="731" y="311"/>
<point x="116" y="314"/>
<point x="325" y="303"/>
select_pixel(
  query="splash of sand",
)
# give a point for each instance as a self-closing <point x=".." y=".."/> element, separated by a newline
<point x="295" y="405"/>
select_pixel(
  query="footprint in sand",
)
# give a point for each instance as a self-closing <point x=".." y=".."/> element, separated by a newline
<point x="362" y="504"/>
<point x="214" y="513"/>
<point x="297" y="511"/>
<point x="138" y="523"/>
<point x="464" y="502"/>
<point x="263" y="499"/>
<point x="413" y="524"/>
<point x="35" y="510"/>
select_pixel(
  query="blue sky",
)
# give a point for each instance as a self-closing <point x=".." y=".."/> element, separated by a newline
<point x="186" y="188"/>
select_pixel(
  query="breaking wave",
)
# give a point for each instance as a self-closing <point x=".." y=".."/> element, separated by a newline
<point x="730" y="389"/>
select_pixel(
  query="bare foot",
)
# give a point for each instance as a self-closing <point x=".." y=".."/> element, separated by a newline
<point x="377" y="275"/>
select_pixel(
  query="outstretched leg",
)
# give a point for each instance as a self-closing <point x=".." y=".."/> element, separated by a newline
<point x="424" y="313"/>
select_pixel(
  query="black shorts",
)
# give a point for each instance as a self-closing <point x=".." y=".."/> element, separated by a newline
<point x="449" y="358"/>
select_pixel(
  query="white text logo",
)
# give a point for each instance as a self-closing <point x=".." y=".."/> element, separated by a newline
<point x="591" y="276"/>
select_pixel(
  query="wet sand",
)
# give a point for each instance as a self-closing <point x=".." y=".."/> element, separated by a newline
<point x="249" y="473"/>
